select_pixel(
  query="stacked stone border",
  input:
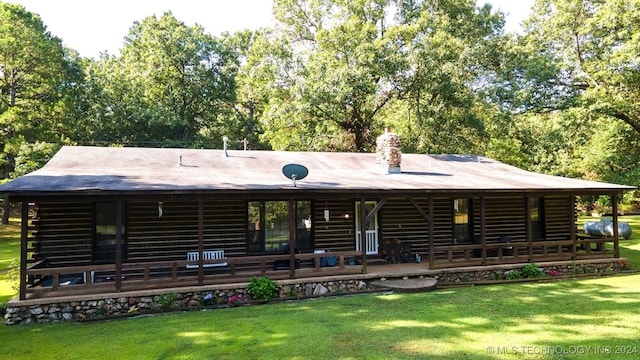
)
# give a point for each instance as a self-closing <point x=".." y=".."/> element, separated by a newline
<point x="113" y="305"/>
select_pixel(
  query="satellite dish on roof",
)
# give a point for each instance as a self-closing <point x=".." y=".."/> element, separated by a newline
<point x="295" y="172"/>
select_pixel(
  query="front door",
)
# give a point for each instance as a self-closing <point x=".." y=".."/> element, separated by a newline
<point x="371" y="231"/>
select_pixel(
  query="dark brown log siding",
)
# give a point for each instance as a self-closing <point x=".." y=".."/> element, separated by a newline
<point x="556" y="212"/>
<point x="62" y="233"/>
<point x="171" y="236"/>
<point x="154" y="238"/>
<point x="225" y="226"/>
<point x="505" y="217"/>
<point x="338" y="233"/>
<point x="400" y="220"/>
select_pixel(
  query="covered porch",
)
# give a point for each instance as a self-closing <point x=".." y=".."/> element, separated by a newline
<point x="41" y="280"/>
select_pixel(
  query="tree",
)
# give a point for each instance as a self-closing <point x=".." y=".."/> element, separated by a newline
<point x="347" y="69"/>
<point x="168" y="87"/>
<point x="450" y="48"/>
<point x="337" y="69"/>
<point x="595" y="47"/>
<point x="33" y="77"/>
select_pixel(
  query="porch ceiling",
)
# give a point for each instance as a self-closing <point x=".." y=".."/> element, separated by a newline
<point x="98" y="169"/>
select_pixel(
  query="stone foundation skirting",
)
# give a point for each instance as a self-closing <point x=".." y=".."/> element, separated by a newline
<point x="112" y="305"/>
<point x="90" y="307"/>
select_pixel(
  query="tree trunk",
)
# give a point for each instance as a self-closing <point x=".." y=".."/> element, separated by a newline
<point x="6" y="208"/>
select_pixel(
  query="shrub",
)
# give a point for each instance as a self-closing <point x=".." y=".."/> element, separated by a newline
<point x="262" y="288"/>
<point x="208" y="299"/>
<point x="532" y="271"/>
<point x="167" y="301"/>
<point x="513" y="274"/>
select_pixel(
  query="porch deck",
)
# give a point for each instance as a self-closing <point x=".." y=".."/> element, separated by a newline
<point x="161" y="276"/>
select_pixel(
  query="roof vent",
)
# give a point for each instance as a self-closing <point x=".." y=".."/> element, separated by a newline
<point x="388" y="154"/>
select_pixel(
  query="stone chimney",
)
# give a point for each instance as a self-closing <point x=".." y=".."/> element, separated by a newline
<point x="388" y="154"/>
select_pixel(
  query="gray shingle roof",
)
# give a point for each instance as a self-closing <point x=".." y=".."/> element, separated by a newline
<point x="76" y="169"/>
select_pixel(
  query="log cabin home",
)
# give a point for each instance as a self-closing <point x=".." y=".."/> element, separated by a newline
<point x="98" y="219"/>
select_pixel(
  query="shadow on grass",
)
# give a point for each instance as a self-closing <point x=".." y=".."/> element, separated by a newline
<point x="445" y="324"/>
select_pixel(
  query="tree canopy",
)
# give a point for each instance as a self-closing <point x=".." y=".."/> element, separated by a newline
<point x="562" y="97"/>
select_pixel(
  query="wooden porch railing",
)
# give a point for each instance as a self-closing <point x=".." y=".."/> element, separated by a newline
<point x="164" y="274"/>
<point x="520" y="251"/>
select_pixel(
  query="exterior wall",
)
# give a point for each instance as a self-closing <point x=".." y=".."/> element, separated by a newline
<point x="557" y="212"/>
<point x="61" y="231"/>
<point x="170" y="237"/>
<point x="64" y="229"/>
<point x="399" y="219"/>
<point x="97" y="306"/>
<point x="337" y="234"/>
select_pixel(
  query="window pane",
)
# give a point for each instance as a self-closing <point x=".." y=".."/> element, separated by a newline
<point x="303" y="225"/>
<point x="256" y="226"/>
<point x="277" y="225"/>
<point x="460" y="220"/>
<point x="105" y="232"/>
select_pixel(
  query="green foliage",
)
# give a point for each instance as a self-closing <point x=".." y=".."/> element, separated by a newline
<point x="36" y="94"/>
<point x="166" y="301"/>
<point x="32" y="156"/>
<point x="208" y="298"/>
<point x="383" y="324"/>
<point x="332" y="75"/>
<point x="262" y="288"/>
<point x="513" y="274"/>
<point x="531" y="271"/>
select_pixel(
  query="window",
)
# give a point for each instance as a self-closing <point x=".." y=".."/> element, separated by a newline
<point x="268" y="226"/>
<point x="536" y="206"/>
<point x="104" y="250"/>
<point x="462" y="221"/>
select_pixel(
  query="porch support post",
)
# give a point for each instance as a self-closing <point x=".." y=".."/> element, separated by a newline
<point x="432" y="247"/>
<point x="375" y="210"/>
<point x="527" y="226"/>
<point x="292" y="238"/>
<point x="616" y="235"/>
<point x="200" y="241"/>
<point x="483" y="228"/>
<point x="572" y="231"/>
<point x="363" y="234"/>
<point x="24" y="238"/>
<point x="118" y="245"/>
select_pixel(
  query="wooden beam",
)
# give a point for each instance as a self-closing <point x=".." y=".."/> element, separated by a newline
<point x="616" y="235"/>
<point x="363" y="234"/>
<point x="24" y="238"/>
<point x="572" y="232"/>
<point x="200" y="241"/>
<point x="420" y="210"/>
<point x="292" y="238"/>
<point x="118" y="245"/>
<point x="483" y="228"/>
<point x="375" y="210"/>
<point x="527" y="226"/>
<point x="432" y="247"/>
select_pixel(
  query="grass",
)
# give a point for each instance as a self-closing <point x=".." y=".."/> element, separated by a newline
<point x="459" y="323"/>
<point x="9" y="254"/>
<point x="507" y="321"/>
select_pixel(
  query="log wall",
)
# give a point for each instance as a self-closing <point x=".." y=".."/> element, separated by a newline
<point x="63" y="231"/>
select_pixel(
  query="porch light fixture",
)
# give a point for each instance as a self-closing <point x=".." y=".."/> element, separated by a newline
<point x="346" y="216"/>
<point x="159" y="209"/>
<point x="326" y="214"/>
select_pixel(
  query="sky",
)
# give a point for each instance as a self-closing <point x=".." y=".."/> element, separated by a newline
<point x="96" y="26"/>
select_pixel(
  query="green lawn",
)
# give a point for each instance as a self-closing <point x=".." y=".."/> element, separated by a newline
<point x="581" y="318"/>
<point x="460" y="323"/>
<point x="9" y="255"/>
